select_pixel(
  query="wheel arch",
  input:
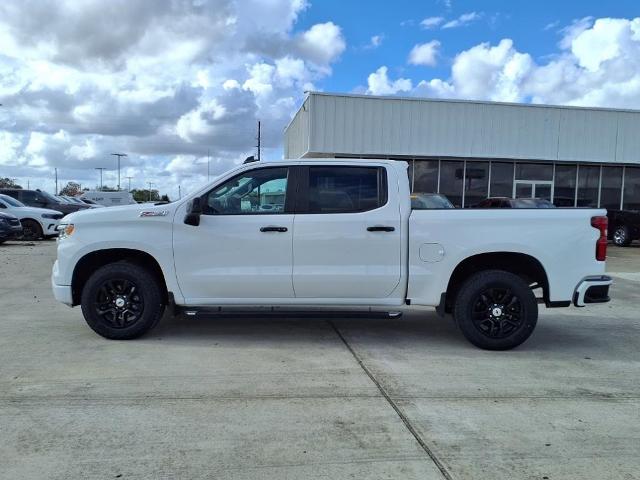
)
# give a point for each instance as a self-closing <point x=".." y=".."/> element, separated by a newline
<point x="525" y="266"/>
<point x="90" y="262"/>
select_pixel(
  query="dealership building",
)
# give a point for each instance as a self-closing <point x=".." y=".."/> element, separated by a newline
<point x="471" y="150"/>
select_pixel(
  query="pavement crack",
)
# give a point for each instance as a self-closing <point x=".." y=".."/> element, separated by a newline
<point x="405" y="420"/>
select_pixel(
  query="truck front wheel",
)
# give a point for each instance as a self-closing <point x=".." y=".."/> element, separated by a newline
<point x="122" y="301"/>
<point x="496" y="310"/>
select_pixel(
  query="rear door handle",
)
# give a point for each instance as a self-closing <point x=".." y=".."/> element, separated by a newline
<point x="380" y="228"/>
<point x="273" y="229"/>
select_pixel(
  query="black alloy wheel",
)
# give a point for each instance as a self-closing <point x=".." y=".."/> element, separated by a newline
<point x="123" y="300"/>
<point x="496" y="310"/>
<point x="118" y="303"/>
<point x="31" y="230"/>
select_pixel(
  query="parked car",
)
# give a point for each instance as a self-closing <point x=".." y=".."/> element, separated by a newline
<point x="346" y="239"/>
<point x="91" y="203"/>
<point x="109" y="199"/>
<point x="77" y="201"/>
<point x="624" y="226"/>
<point x="506" y="202"/>
<point x="10" y="227"/>
<point x="425" y="201"/>
<point x="36" y="222"/>
<point x="40" y="199"/>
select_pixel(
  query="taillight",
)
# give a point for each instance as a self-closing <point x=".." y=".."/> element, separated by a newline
<point x="601" y="224"/>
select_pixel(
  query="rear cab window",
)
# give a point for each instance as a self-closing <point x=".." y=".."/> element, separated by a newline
<point x="344" y="189"/>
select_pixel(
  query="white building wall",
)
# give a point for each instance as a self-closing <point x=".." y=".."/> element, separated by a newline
<point x="391" y="126"/>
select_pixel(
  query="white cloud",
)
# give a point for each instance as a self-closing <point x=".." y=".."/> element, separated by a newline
<point x="376" y="41"/>
<point x="155" y="80"/>
<point x="425" y="53"/>
<point x="462" y="20"/>
<point x="598" y="64"/>
<point x="323" y="43"/>
<point x="379" y="83"/>
<point x="431" y="22"/>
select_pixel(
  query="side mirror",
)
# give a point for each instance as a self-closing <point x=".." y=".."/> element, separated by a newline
<point x="194" y="210"/>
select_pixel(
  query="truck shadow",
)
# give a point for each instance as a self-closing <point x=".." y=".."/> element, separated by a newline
<point x="424" y="330"/>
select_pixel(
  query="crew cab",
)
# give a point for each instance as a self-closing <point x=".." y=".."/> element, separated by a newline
<point x="328" y="235"/>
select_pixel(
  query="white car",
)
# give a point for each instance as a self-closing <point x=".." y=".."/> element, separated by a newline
<point x="345" y="240"/>
<point x="36" y="222"/>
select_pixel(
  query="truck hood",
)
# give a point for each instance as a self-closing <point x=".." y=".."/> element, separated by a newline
<point x="121" y="213"/>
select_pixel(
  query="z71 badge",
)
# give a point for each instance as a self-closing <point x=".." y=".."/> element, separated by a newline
<point x="154" y="213"/>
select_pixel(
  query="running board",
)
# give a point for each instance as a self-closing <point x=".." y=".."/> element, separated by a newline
<point x="274" y="312"/>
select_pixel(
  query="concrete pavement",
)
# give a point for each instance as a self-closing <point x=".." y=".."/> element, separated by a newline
<point x="314" y="398"/>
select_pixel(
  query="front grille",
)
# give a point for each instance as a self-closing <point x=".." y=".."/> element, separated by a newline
<point x="14" y="222"/>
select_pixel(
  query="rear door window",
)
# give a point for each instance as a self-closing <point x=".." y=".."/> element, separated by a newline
<point x="344" y="189"/>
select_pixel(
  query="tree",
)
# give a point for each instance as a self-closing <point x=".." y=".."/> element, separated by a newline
<point x="165" y="198"/>
<point x="142" y="195"/>
<point x="8" y="183"/>
<point x="71" y="189"/>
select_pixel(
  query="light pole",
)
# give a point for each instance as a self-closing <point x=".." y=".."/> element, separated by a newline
<point x="129" y="178"/>
<point x="149" y="183"/>
<point x="119" y="155"/>
<point x="101" y="170"/>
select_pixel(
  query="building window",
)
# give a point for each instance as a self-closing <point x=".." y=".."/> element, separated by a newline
<point x="611" y="189"/>
<point x="588" y="181"/>
<point x="632" y="188"/>
<point x="476" y="183"/>
<point x="564" y="190"/>
<point x="425" y="176"/>
<point x="501" y="179"/>
<point x="451" y="174"/>
<point x="534" y="171"/>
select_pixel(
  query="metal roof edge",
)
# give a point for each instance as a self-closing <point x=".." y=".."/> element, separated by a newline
<point x="478" y="102"/>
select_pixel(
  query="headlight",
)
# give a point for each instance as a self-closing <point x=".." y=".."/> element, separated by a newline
<point x="65" y="230"/>
<point x="50" y="215"/>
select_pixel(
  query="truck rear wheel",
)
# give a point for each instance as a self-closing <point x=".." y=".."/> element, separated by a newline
<point x="496" y="310"/>
<point x="122" y="301"/>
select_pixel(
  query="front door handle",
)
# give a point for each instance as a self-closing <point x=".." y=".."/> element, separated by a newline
<point x="380" y="228"/>
<point x="273" y="229"/>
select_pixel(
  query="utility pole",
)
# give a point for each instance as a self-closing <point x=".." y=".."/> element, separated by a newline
<point x="119" y="155"/>
<point x="179" y="193"/>
<point x="208" y="165"/>
<point x="129" y="178"/>
<point x="101" y="169"/>
<point x="56" y="170"/>
<point x="149" y="183"/>
<point x="259" y="141"/>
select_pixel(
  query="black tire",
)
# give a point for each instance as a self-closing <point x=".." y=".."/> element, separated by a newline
<point x="622" y="236"/>
<point x="31" y="230"/>
<point x="496" y="310"/>
<point x="121" y="301"/>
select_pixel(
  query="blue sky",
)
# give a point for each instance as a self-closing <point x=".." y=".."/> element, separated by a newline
<point x="535" y="28"/>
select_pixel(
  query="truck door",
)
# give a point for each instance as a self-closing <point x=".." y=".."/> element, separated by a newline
<point x="347" y="235"/>
<point x="241" y="251"/>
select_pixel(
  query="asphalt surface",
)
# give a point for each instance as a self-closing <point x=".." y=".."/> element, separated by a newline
<point x="314" y="398"/>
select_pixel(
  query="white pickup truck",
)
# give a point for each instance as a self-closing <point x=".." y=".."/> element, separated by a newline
<point x="328" y="235"/>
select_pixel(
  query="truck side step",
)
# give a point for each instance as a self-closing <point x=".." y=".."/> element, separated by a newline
<point x="221" y="312"/>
